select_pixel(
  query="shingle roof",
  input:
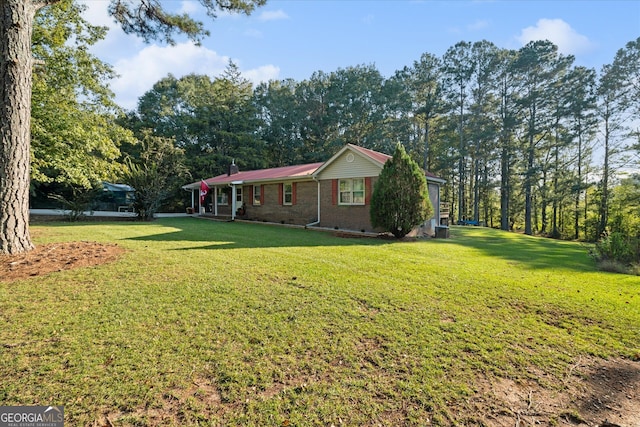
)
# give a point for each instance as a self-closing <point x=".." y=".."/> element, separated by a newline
<point x="375" y="155"/>
<point x="261" y="175"/>
<point x="291" y="172"/>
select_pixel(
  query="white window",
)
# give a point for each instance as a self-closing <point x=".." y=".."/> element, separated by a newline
<point x="239" y="196"/>
<point x="257" y="195"/>
<point x="351" y="191"/>
<point x="223" y="198"/>
<point x="287" y="194"/>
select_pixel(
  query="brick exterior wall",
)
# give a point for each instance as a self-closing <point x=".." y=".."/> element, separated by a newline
<point x="303" y="211"/>
<point x="343" y="217"/>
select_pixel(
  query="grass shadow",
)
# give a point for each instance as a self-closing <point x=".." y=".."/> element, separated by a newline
<point x="242" y="235"/>
<point x="190" y="233"/>
<point x="531" y="252"/>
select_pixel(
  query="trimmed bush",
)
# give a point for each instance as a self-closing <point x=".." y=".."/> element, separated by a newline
<point x="400" y="199"/>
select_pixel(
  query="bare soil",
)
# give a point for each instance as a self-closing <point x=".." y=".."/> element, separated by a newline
<point x="594" y="392"/>
<point x="45" y="259"/>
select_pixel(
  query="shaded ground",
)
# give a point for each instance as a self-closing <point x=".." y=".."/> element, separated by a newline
<point x="594" y="392"/>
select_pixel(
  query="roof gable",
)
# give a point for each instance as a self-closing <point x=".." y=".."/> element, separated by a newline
<point x="375" y="160"/>
<point x="373" y="155"/>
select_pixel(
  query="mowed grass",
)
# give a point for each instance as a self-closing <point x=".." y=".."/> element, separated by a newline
<point x="211" y="323"/>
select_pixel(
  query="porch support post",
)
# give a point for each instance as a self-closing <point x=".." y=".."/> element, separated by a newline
<point x="318" y="196"/>
<point x="215" y="201"/>
<point x="193" y="198"/>
<point x="233" y="202"/>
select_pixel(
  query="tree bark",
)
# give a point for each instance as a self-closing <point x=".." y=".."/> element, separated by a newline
<point x="528" y="181"/>
<point x="505" y="186"/>
<point x="16" y="26"/>
<point x="606" y="171"/>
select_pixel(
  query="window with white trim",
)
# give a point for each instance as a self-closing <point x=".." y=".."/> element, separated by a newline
<point x="287" y="194"/>
<point x="351" y="191"/>
<point x="223" y="198"/>
<point x="257" y="195"/>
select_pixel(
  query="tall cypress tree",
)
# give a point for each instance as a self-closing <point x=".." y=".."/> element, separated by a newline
<point x="400" y="199"/>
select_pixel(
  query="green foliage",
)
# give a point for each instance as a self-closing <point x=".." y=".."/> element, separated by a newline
<point x="417" y="89"/>
<point x="151" y="21"/>
<point x="625" y="206"/>
<point x="213" y="121"/>
<point x="275" y="103"/>
<point x="74" y="138"/>
<point x="78" y="201"/>
<point x="400" y="199"/>
<point x="615" y="247"/>
<point x="520" y="123"/>
<point x="155" y="174"/>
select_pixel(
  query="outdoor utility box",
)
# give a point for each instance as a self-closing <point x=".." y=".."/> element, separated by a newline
<point x="442" y="232"/>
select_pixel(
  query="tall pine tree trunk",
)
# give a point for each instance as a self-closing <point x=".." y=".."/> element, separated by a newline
<point x="544" y="202"/>
<point x="579" y="185"/>
<point x="554" y="221"/>
<point x="462" y="206"/>
<point x="476" y="189"/>
<point x="528" y="184"/>
<point x="604" y="200"/>
<point x="16" y="25"/>
<point x="427" y="162"/>
<point x="505" y="178"/>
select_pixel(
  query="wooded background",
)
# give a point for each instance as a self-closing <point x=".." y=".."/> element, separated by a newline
<point x="526" y="139"/>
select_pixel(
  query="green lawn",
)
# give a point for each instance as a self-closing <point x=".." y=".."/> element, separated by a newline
<point x="212" y="323"/>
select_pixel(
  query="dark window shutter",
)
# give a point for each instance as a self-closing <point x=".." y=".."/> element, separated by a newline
<point x="262" y="194"/>
<point x="280" y="191"/>
<point x="334" y="191"/>
<point x="368" y="190"/>
<point x="293" y="193"/>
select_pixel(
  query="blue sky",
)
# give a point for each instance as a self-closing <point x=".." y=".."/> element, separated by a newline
<point x="295" y="38"/>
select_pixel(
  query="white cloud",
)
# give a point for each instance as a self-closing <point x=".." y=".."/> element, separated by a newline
<point x="116" y="43"/>
<point x="191" y="7"/>
<point x="140" y="65"/>
<point x="273" y="15"/>
<point x="262" y="74"/>
<point x="96" y="13"/>
<point x="568" y="40"/>
<point x="140" y="72"/>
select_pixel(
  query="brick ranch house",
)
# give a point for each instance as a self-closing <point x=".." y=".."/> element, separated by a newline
<point x="333" y="194"/>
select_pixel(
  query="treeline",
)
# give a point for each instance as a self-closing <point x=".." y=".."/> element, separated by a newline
<point x="526" y="139"/>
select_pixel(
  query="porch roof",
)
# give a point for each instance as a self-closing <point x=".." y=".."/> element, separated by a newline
<point x="261" y="175"/>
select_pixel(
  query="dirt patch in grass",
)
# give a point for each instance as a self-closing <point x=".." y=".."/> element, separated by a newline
<point x="596" y="393"/>
<point x="200" y="400"/>
<point x="45" y="259"/>
<point x="593" y="392"/>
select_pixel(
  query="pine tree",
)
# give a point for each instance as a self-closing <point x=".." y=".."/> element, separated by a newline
<point x="400" y="199"/>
